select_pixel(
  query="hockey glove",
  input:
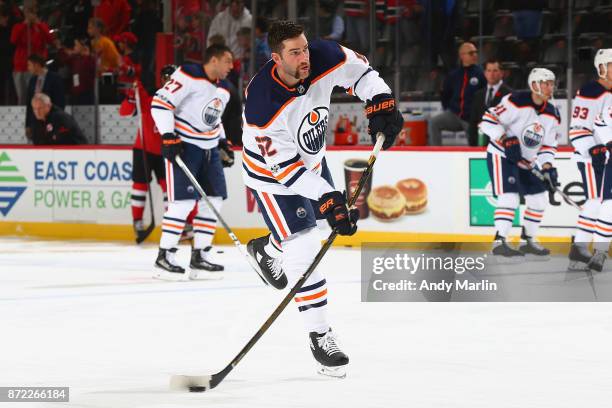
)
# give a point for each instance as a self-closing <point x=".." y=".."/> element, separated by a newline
<point x="512" y="148"/>
<point x="226" y="153"/>
<point x="333" y="207"/>
<point x="171" y="146"/>
<point x="384" y="117"/>
<point x="598" y="156"/>
<point x="552" y="178"/>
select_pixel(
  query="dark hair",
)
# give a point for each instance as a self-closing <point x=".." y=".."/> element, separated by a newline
<point x="262" y="24"/>
<point x="37" y="59"/>
<point x="215" y="50"/>
<point x="492" y="61"/>
<point x="282" y="30"/>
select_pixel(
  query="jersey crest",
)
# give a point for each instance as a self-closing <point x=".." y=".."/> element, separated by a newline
<point x="311" y="133"/>
<point x="533" y="135"/>
<point x="212" y="112"/>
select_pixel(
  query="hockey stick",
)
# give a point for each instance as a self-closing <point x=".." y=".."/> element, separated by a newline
<point x="210" y="205"/>
<point x="206" y="382"/>
<point x="141" y="236"/>
<point x="564" y="196"/>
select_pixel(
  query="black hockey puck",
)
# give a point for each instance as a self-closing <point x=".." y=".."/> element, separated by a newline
<point x="195" y="388"/>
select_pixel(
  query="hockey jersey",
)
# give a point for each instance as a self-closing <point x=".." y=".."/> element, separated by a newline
<point x="603" y="122"/>
<point x="536" y="127"/>
<point x="191" y="106"/>
<point x="284" y="128"/>
<point x="588" y="103"/>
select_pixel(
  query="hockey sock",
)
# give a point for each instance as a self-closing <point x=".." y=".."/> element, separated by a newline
<point x="273" y="248"/>
<point x="205" y="223"/>
<point x="174" y="222"/>
<point x="299" y="250"/>
<point x="139" y="197"/>
<point x="603" y="228"/>
<point x="504" y="212"/>
<point x="536" y="204"/>
<point x="585" y="227"/>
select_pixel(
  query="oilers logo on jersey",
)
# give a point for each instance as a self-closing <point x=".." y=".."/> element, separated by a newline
<point x="533" y="135"/>
<point x="311" y="133"/>
<point x="212" y="112"/>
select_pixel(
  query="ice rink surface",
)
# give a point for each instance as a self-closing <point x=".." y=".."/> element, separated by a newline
<point x="88" y="316"/>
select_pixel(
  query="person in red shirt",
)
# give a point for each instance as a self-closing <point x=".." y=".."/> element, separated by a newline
<point x="81" y="66"/>
<point x="29" y="37"/>
<point x="146" y="157"/>
<point x="115" y="14"/>
<point x="129" y="70"/>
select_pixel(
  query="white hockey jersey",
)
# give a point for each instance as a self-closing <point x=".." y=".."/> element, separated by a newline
<point x="602" y="130"/>
<point x="536" y="127"/>
<point x="191" y="106"/>
<point x="284" y="128"/>
<point x="587" y="105"/>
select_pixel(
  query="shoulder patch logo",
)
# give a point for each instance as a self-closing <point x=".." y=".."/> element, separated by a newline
<point x="211" y="113"/>
<point x="533" y="135"/>
<point x="311" y="133"/>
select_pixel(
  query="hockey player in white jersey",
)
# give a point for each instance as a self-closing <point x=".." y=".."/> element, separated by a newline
<point x="284" y="123"/>
<point x="187" y="111"/>
<point x="523" y="131"/>
<point x="590" y="156"/>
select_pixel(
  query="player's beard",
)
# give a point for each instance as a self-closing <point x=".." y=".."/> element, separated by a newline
<point x="297" y="74"/>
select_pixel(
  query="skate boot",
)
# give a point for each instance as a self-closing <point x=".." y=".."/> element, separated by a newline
<point x="325" y="350"/>
<point x="202" y="268"/>
<point x="579" y="257"/>
<point x="169" y="269"/>
<point x="504" y="253"/>
<point x="270" y="269"/>
<point x="598" y="260"/>
<point x="532" y="250"/>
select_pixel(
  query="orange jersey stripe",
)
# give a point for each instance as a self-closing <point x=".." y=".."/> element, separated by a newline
<point x="289" y="169"/>
<point x="255" y="167"/>
<point x="162" y="103"/>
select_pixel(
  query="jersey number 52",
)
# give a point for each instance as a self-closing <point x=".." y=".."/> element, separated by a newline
<point x="265" y="145"/>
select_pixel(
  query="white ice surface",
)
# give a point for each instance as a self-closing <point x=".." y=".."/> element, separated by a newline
<point x="88" y="316"/>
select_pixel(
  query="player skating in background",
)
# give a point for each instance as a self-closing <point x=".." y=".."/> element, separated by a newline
<point x="523" y="131"/>
<point x="285" y="119"/>
<point x="590" y="156"/>
<point x="141" y="174"/>
<point x="187" y="112"/>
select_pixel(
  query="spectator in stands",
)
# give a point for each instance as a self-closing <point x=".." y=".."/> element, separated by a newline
<point x="485" y="98"/>
<point x="357" y="25"/>
<point x="440" y="26"/>
<point x="228" y="22"/>
<point x="262" y="48"/>
<point x="527" y="17"/>
<point x="115" y="14"/>
<point x="43" y="81"/>
<point x="82" y="71"/>
<point x="129" y="70"/>
<point x="331" y="25"/>
<point x="29" y="37"/>
<point x="53" y="126"/>
<point x="105" y="49"/>
<point x="6" y="55"/>
<point x="78" y="14"/>
<point x="457" y="93"/>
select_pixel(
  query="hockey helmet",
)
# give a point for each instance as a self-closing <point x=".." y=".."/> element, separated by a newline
<point x="602" y="58"/>
<point x="538" y="75"/>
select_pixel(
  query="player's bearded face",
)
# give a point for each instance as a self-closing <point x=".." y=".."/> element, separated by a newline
<point x="295" y="57"/>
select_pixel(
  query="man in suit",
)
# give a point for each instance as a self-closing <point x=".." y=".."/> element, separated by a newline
<point x="42" y="81"/>
<point x="485" y="98"/>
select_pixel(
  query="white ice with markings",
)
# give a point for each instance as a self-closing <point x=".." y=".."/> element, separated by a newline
<point x="88" y="315"/>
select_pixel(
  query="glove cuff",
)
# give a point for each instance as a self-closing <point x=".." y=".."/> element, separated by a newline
<point x="328" y="201"/>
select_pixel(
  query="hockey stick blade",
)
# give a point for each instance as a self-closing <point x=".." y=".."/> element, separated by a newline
<point x="207" y="382"/>
<point x="141" y="236"/>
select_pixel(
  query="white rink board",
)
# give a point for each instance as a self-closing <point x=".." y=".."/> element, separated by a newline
<point x="93" y="186"/>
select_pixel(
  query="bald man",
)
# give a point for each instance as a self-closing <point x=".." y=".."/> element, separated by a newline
<point x="456" y="97"/>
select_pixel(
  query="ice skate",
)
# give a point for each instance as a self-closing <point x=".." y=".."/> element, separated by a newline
<point x="598" y="260"/>
<point x="504" y="253"/>
<point x="202" y="268"/>
<point x="169" y="270"/>
<point x="532" y="250"/>
<point x="270" y="269"/>
<point x="325" y="350"/>
<point x="579" y="258"/>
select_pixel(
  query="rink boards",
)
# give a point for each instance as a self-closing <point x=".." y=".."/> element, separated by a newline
<point x="84" y="193"/>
